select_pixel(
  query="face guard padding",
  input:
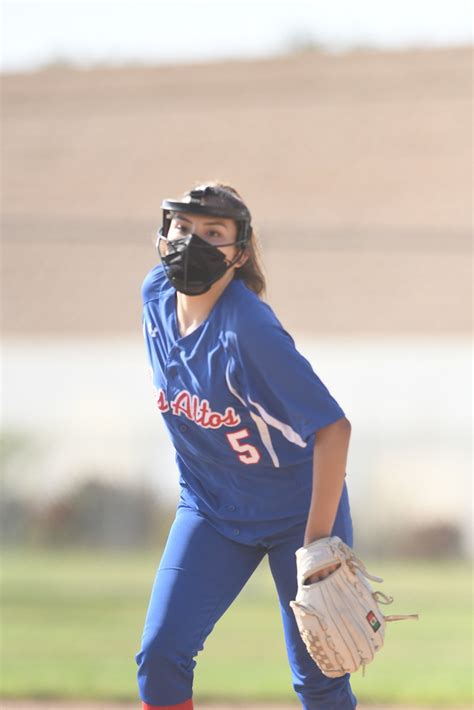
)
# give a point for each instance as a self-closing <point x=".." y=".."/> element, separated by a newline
<point x="192" y="265"/>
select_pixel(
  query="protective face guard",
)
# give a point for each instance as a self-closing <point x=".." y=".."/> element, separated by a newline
<point x="213" y="201"/>
<point x="191" y="264"/>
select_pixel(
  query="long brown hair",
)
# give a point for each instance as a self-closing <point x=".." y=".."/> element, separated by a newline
<point x="251" y="273"/>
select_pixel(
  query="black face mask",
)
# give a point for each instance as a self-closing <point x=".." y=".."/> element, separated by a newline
<point x="192" y="265"/>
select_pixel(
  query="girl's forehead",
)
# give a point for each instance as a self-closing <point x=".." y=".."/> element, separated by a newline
<point x="205" y="218"/>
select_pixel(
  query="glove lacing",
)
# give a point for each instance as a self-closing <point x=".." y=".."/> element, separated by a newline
<point x="355" y="563"/>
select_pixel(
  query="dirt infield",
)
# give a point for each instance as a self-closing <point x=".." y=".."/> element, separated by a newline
<point x="55" y="705"/>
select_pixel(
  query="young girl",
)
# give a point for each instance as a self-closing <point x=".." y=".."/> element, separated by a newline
<point x="261" y="447"/>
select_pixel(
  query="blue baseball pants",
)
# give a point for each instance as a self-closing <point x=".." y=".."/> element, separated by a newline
<point x="200" y="574"/>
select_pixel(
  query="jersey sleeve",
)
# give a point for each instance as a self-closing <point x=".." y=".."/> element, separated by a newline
<point x="279" y="384"/>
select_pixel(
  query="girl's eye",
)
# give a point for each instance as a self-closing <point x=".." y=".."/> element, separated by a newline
<point x="213" y="234"/>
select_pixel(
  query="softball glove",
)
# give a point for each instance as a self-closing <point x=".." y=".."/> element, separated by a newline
<point x="338" y="617"/>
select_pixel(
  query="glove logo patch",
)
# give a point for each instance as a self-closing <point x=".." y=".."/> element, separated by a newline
<point x="373" y="621"/>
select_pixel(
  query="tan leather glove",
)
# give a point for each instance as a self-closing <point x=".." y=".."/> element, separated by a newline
<point x="338" y="617"/>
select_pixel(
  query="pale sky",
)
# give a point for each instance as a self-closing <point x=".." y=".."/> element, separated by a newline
<point x="36" y="32"/>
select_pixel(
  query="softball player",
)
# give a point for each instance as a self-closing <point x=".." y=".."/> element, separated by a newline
<point x="261" y="447"/>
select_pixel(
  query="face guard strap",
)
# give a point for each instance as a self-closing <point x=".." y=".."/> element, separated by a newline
<point x="215" y="201"/>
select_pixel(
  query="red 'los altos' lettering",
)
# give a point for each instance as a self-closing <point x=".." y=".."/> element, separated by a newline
<point x="182" y="405"/>
<point x="161" y="402"/>
<point x="196" y="410"/>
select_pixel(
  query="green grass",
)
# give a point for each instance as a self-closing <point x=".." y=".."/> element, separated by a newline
<point x="72" y="622"/>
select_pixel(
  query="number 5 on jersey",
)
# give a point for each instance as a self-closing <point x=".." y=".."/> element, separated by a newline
<point x="247" y="452"/>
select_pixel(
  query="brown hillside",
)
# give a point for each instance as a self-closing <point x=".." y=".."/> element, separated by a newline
<point x="356" y="167"/>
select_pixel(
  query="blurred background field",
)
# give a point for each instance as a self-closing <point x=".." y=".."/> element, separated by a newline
<point x="72" y="621"/>
<point x="348" y="130"/>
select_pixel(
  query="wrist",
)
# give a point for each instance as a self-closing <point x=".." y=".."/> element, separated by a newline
<point x="310" y="537"/>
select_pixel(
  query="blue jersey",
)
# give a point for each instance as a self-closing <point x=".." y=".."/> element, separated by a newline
<point x="242" y="407"/>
